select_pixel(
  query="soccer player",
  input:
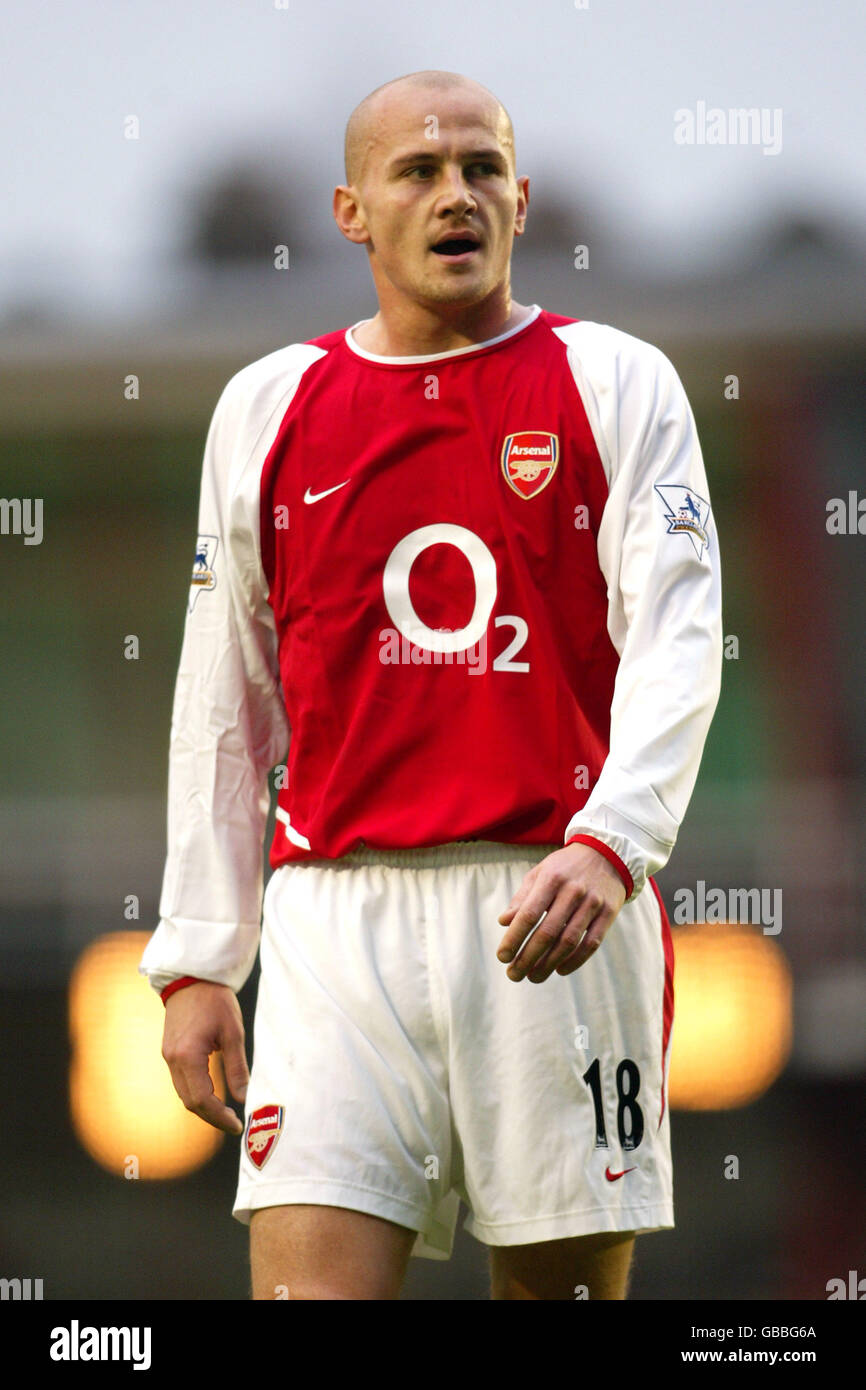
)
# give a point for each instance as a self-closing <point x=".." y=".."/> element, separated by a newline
<point x="459" y="560"/>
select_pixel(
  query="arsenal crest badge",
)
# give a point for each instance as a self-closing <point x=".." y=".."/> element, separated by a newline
<point x="263" y="1131"/>
<point x="529" y="461"/>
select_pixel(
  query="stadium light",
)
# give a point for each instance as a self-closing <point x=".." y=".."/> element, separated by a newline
<point x="125" y="1110"/>
<point x="732" y="1016"/>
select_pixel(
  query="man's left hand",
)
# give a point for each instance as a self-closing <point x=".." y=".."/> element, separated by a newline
<point x="581" y="893"/>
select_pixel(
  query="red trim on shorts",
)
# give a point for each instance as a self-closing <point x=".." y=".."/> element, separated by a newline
<point x="609" y="855"/>
<point x="668" y="1011"/>
<point x="179" y="984"/>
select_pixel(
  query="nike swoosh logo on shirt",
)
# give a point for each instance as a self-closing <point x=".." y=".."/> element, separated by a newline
<point x="316" y="496"/>
<point x="612" y="1177"/>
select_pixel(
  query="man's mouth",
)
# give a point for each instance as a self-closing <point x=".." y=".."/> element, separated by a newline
<point x="456" y="247"/>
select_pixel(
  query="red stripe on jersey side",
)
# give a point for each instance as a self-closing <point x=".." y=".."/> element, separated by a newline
<point x="610" y="855"/>
<point x="668" y="1012"/>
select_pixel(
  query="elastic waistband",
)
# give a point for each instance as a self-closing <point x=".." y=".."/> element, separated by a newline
<point x="455" y="852"/>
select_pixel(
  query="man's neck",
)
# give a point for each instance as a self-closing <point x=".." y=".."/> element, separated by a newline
<point x="423" y="333"/>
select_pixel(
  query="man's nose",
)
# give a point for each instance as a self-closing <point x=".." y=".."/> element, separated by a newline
<point x="456" y="192"/>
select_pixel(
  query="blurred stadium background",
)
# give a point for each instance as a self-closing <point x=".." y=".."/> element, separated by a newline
<point x="110" y="1189"/>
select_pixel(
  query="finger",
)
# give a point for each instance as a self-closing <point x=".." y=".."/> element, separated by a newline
<point x="193" y="1083"/>
<point x="525" y="886"/>
<point x="237" y="1073"/>
<point x="587" y="948"/>
<point x="544" y="965"/>
<point x="543" y="939"/>
<point x="588" y="915"/>
<point x="525" y="920"/>
<point x="215" y="1113"/>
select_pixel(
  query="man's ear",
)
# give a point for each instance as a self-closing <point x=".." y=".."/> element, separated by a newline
<point x="349" y="215"/>
<point x="522" y="205"/>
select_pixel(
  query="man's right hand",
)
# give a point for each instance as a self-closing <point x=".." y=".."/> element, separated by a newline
<point x="201" y="1019"/>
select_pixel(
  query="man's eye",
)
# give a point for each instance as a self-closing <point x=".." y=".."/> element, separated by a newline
<point x="482" y="167"/>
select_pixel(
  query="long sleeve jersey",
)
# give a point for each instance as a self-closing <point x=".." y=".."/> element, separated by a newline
<point x="473" y="595"/>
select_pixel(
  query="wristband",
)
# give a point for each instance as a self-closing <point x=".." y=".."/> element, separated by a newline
<point x="185" y="980"/>
<point x="609" y="855"/>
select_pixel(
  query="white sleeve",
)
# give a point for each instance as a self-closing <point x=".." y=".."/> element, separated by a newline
<point x="229" y="724"/>
<point x="659" y="554"/>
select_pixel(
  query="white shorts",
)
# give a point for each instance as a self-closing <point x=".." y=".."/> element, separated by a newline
<point x="397" y="1070"/>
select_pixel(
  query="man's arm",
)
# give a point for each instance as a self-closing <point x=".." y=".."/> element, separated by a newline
<point x="658" y="551"/>
<point x="228" y="728"/>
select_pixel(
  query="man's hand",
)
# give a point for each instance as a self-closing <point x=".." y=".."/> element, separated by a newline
<point x="581" y="893"/>
<point x="201" y="1019"/>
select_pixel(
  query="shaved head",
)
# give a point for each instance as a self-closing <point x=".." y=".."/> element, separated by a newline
<point x="362" y="126"/>
<point x="432" y="193"/>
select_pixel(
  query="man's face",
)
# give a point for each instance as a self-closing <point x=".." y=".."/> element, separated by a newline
<point x="417" y="190"/>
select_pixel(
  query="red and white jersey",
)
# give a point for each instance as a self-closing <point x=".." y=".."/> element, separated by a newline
<point x="474" y="595"/>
